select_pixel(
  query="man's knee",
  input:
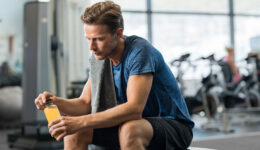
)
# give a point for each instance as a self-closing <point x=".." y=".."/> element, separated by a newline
<point x="129" y="129"/>
<point x="135" y="132"/>
<point x="129" y="133"/>
<point x="79" y="138"/>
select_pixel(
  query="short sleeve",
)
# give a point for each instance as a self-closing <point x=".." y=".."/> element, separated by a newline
<point x="141" y="62"/>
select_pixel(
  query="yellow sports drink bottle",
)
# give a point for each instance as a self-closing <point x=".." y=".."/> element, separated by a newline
<point x="51" y="112"/>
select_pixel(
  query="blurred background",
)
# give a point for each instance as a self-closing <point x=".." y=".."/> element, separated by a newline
<point x="43" y="48"/>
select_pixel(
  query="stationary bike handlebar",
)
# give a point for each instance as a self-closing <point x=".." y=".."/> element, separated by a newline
<point x="182" y="58"/>
<point x="210" y="58"/>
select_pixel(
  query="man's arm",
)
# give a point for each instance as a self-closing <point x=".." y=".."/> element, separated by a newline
<point x="73" y="107"/>
<point x="138" y="89"/>
<point x="77" y="106"/>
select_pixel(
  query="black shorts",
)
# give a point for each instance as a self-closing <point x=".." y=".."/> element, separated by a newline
<point x="169" y="134"/>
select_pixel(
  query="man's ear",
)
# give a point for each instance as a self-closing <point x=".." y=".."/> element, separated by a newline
<point x="119" y="32"/>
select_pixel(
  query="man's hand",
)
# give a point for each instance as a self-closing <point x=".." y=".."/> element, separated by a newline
<point x="64" y="126"/>
<point x="40" y="101"/>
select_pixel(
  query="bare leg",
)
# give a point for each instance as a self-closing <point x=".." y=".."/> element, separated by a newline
<point x="78" y="140"/>
<point x="135" y="134"/>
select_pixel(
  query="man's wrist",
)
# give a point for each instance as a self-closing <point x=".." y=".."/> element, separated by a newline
<point x="57" y="100"/>
<point x="86" y="119"/>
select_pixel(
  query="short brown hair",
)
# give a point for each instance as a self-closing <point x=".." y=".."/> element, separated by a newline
<point x="104" y="13"/>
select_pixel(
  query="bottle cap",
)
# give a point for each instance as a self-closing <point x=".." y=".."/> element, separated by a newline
<point x="48" y="101"/>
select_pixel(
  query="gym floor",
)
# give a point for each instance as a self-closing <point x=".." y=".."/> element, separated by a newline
<point x="244" y="134"/>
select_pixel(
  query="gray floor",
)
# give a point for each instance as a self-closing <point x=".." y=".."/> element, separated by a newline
<point x="244" y="133"/>
<point x="205" y="129"/>
<point x="246" y="141"/>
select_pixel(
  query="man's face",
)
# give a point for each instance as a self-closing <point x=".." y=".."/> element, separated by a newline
<point x="102" y="43"/>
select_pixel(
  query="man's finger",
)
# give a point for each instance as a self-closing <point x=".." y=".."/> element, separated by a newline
<point x="55" y="126"/>
<point x="40" y="101"/>
<point x="47" y="94"/>
<point x="58" y="131"/>
<point x="53" y="122"/>
<point x="36" y="102"/>
<point x="43" y="98"/>
<point x="61" y="136"/>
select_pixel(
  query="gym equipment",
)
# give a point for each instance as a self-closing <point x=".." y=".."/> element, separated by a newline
<point x="249" y="88"/>
<point x="217" y="96"/>
<point x="10" y="105"/>
<point x="179" y="63"/>
<point x="36" y="78"/>
<point x="204" y="94"/>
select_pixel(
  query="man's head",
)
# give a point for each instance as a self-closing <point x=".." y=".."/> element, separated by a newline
<point x="103" y="25"/>
<point x="104" y="13"/>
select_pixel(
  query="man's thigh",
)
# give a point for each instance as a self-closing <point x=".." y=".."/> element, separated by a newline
<point x="106" y="137"/>
<point x="169" y="134"/>
<point x="166" y="134"/>
<point x="109" y="137"/>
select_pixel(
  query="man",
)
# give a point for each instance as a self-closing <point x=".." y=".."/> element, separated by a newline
<point x="151" y="113"/>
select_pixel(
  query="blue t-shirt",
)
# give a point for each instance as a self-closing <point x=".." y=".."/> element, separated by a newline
<point x="165" y="99"/>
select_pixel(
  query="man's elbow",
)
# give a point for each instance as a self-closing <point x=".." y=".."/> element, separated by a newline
<point x="137" y="113"/>
<point x="133" y="110"/>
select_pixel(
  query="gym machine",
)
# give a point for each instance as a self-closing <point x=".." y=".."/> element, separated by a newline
<point x="41" y="48"/>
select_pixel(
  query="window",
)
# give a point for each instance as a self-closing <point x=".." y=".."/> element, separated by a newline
<point x="220" y="6"/>
<point x="204" y="26"/>
<point x="132" y="5"/>
<point x="245" y="29"/>
<point x="174" y="35"/>
<point x="135" y="24"/>
<point x="247" y="7"/>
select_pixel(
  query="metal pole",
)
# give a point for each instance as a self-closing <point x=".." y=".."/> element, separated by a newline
<point x="231" y="20"/>
<point x="149" y="20"/>
<point x="55" y="48"/>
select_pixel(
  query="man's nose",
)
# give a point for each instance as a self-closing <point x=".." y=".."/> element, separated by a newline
<point x="92" y="45"/>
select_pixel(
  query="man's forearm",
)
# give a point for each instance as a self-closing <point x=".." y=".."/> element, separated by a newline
<point x="73" y="107"/>
<point x="112" y="117"/>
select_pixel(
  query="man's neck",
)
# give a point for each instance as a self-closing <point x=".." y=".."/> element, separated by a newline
<point x="116" y="57"/>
